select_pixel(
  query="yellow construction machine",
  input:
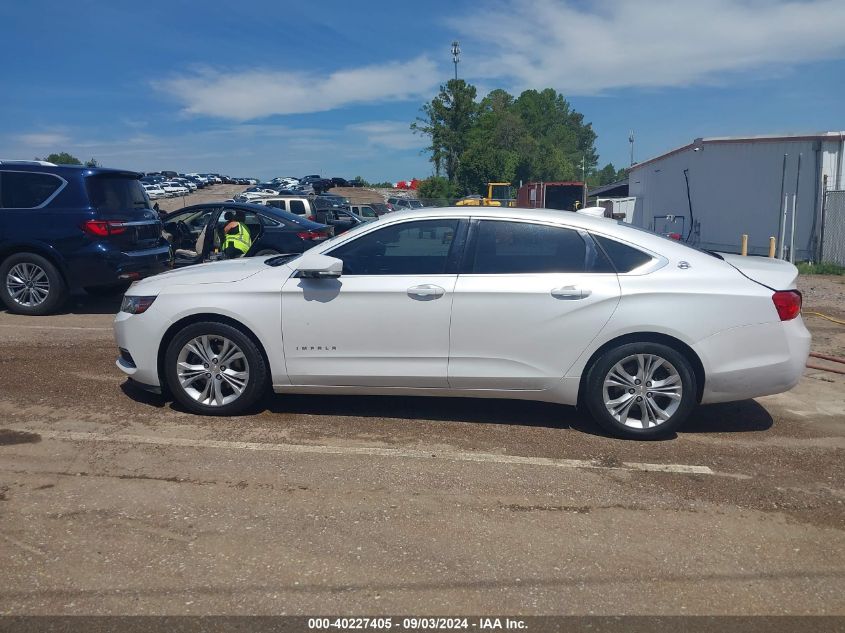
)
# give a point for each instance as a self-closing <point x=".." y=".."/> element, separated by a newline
<point x="499" y="194"/>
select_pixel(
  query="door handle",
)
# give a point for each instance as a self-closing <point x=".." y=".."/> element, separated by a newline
<point x="571" y="293"/>
<point x="426" y="292"/>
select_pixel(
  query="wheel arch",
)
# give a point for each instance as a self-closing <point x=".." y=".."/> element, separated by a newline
<point x="202" y="317"/>
<point x="44" y="250"/>
<point x="649" y="337"/>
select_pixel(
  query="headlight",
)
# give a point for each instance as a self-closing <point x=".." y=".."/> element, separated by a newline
<point x="136" y="305"/>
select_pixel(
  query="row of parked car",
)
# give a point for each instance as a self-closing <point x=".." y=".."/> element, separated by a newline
<point x="72" y="228"/>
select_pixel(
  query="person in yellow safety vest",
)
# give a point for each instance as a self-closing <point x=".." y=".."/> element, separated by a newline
<point x="237" y="239"/>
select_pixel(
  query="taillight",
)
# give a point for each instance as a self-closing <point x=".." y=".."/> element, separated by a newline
<point x="311" y="235"/>
<point x="104" y="228"/>
<point x="311" y="217"/>
<point x="787" y="303"/>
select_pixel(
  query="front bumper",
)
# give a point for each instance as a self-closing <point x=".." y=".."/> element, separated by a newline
<point x="752" y="361"/>
<point x="138" y="347"/>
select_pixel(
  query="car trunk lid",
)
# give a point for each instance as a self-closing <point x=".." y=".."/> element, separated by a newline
<point x="775" y="274"/>
<point x="122" y="211"/>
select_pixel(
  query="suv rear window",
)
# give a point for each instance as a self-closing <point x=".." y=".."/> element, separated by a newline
<point x="297" y="206"/>
<point x="26" y="190"/>
<point x="116" y="194"/>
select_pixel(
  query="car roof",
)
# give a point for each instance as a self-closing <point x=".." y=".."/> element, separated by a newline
<point x="258" y="208"/>
<point x="66" y="170"/>
<point x="603" y="226"/>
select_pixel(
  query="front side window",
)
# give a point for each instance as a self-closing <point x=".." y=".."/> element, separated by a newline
<point x="410" y="248"/>
<point x="26" y="190"/>
<point x="520" y="247"/>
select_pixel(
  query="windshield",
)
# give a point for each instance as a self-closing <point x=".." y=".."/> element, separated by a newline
<point x="116" y="194"/>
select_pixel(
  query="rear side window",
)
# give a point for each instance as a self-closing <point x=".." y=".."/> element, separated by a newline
<point x="297" y="206"/>
<point x="519" y="247"/>
<point x="279" y="204"/>
<point x="26" y="190"/>
<point x="625" y="258"/>
<point x="116" y="194"/>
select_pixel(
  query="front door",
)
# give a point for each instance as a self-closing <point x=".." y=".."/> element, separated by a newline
<point x="529" y="300"/>
<point x="385" y="321"/>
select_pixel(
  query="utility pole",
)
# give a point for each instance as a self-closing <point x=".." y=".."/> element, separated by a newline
<point x="456" y="56"/>
<point x="584" y="179"/>
<point x="631" y="141"/>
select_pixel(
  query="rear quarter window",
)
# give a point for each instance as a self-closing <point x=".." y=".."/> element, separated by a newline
<point x="26" y="190"/>
<point x="624" y="258"/>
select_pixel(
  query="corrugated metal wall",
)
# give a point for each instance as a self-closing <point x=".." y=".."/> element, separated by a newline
<point x="735" y="188"/>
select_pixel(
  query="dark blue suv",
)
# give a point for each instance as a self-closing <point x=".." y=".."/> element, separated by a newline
<point x="63" y="228"/>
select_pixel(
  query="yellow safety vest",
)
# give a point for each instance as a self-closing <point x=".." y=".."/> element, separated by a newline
<point x="240" y="240"/>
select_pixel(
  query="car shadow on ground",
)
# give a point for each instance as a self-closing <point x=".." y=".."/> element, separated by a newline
<point x="91" y="304"/>
<point x="745" y="416"/>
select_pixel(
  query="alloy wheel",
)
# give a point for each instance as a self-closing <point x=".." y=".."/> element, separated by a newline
<point x="212" y="370"/>
<point x="28" y="284"/>
<point x="642" y="391"/>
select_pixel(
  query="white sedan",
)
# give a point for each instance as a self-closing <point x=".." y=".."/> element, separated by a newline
<point x="479" y="302"/>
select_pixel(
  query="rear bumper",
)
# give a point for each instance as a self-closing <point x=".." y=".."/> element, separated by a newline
<point x="752" y="361"/>
<point x="102" y="267"/>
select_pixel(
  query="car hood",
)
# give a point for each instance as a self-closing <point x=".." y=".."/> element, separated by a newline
<point x="227" y="271"/>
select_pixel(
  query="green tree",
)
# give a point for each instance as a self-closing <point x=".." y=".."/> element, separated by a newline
<point x="436" y="188"/>
<point x="62" y="159"/>
<point x="447" y="121"/>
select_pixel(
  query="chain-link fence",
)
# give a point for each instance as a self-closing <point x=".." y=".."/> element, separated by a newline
<point x="833" y="228"/>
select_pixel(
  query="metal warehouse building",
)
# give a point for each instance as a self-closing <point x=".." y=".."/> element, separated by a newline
<point x="715" y="189"/>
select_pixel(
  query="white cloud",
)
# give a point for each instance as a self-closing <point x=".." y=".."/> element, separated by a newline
<point x="388" y="134"/>
<point x="253" y="94"/>
<point x="42" y="139"/>
<point x="587" y="48"/>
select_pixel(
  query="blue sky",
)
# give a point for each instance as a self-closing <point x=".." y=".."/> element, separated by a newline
<point x="271" y="88"/>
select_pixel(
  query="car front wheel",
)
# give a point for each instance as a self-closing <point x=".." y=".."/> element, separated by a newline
<point x="641" y="390"/>
<point x="215" y="369"/>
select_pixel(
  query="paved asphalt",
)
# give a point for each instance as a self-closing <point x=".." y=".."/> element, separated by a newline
<point x="116" y="502"/>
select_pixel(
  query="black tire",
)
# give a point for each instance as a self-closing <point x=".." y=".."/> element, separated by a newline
<point x="107" y="291"/>
<point x="258" y="374"/>
<point x="56" y="287"/>
<point x="594" y="396"/>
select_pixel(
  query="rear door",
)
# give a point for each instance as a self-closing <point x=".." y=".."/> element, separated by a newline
<point x="528" y="301"/>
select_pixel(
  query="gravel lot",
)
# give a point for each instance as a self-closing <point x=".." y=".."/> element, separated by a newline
<point x="113" y="501"/>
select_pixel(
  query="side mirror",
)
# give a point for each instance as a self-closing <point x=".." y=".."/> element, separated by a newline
<point x="314" y="266"/>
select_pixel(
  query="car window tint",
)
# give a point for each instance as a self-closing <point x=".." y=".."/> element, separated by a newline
<point x="117" y="194"/>
<point x="279" y="204"/>
<point x="520" y="247"/>
<point x="23" y="190"/>
<point x="297" y="206"/>
<point x="409" y="248"/>
<point x="625" y="258"/>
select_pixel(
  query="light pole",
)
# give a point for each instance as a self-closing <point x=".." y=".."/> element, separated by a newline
<point x="631" y="141"/>
<point x="456" y="56"/>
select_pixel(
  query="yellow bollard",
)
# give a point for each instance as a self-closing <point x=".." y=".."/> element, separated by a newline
<point x="772" y="247"/>
<point x="744" y="244"/>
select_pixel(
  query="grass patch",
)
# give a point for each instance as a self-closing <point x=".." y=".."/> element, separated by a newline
<point x="824" y="268"/>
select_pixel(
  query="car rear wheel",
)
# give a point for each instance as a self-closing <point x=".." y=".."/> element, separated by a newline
<point x="641" y="390"/>
<point x="31" y="284"/>
<point x="215" y="369"/>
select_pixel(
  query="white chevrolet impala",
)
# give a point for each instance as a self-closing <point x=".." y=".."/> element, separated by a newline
<point x="479" y="302"/>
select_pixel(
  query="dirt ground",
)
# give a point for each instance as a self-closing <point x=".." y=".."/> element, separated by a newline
<point x="114" y="501"/>
<point x="825" y="294"/>
<point x="214" y="193"/>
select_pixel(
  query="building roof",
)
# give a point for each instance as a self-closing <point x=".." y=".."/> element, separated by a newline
<point x="762" y="138"/>
<point x="597" y="191"/>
